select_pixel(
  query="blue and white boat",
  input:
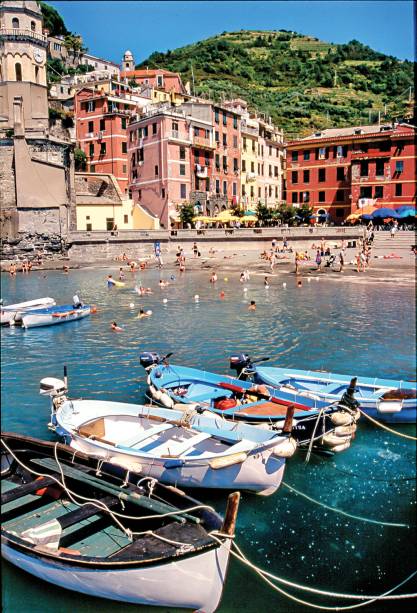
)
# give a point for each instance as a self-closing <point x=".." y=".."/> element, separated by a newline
<point x="185" y="448"/>
<point x="54" y="315"/>
<point x="172" y="386"/>
<point x="387" y="400"/>
<point x="12" y="314"/>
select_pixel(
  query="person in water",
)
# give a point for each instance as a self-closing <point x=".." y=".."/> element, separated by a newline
<point x="252" y="306"/>
<point x="110" y="281"/>
<point x="213" y="277"/>
<point x="121" y="274"/>
<point x="115" y="327"/>
<point x="142" y="314"/>
<point x="266" y="283"/>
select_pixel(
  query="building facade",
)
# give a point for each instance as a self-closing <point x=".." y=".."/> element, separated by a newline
<point x="336" y="171"/>
<point x="160" y="163"/>
<point x="102" y="117"/>
<point x="261" y="159"/>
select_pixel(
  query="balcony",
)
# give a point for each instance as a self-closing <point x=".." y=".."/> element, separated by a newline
<point x="22" y="34"/>
<point x="365" y="155"/>
<point x="251" y="176"/>
<point x="203" y="143"/>
<point x="177" y="136"/>
<point x="249" y="130"/>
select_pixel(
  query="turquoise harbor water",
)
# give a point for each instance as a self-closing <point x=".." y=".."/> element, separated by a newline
<point x="350" y="328"/>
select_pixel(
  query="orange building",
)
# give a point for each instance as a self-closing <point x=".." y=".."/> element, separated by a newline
<point x="156" y="78"/>
<point x="101" y="122"/>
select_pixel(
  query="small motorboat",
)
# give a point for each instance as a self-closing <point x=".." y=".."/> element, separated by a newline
<point x="188" y="448"/>
<point x="387" y="400"/>
<point x="55" y="315"/>
<point x="171" y="385"/>
<point x="66" y="521"/>
<point x="12" y="314"/>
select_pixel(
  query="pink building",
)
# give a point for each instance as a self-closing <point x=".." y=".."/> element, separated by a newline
<point x="159" y="163"/>
<point x="226" y="171"/>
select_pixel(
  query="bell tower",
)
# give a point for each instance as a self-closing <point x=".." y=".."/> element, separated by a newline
<point x="23" y="66"/>
<point x="128" y="62"/>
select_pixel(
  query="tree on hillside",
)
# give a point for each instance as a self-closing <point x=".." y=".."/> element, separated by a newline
<point x="74" y="45"/>
<point x="52" y="20"/>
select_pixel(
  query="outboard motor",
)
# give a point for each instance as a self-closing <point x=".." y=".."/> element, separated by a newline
<point x="52" y="387"/>
<point x="149" y="358"/>
<point x="240" y="362"/>
<point x="348" y="399"/>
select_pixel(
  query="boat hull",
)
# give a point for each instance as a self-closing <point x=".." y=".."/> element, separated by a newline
<point x="35" y="320"/>
<point x="11" y="315"/>
<point x="260" y="473"/>
<point x="370" y="399"/>
<point x="195" y="582"/>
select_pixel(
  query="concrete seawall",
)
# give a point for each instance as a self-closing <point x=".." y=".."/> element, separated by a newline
<point x="98" y="246"/>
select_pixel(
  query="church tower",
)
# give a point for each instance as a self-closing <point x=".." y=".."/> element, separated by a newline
<point x="128" y="62"/>
<point x="23" y="87"/>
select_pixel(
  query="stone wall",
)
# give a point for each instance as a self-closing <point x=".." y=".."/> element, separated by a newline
<point x="7" y="175"/>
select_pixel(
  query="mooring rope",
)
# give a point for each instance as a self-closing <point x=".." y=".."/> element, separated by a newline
<point x="269" y="578"/>
<point x="310" y="445"/>
<point x="378" y="423"/>
<point x="326" y="506"/>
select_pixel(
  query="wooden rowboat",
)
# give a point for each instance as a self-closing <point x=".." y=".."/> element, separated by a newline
<point x="157" y="550"/>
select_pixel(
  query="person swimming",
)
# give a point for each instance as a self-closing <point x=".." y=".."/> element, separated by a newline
<point x="266" y="284"/>
<point x="142" y="314"/>
<point x="252" y="306"/>
<point x="115" y="327"/>
<point x="213" y="277"/>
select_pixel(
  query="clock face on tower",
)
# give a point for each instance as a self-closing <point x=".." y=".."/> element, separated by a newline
<point x="38" y="56"/>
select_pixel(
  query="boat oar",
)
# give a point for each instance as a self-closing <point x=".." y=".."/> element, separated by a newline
<point x="241" y="390"/>
<point x="126" y="494"/>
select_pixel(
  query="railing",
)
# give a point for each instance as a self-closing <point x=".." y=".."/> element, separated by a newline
<point x="249" y="130"/>
<point x="175" y="134"/>
<point x="20" y="32"/>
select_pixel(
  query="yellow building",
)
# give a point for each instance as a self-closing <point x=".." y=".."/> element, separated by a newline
<point x="101" y="206"/>
<point x="249" y="162"/>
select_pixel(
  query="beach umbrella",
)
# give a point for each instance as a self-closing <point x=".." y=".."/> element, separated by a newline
<point x="384" y="212"/>
<point x="247" y="218"/>
<point x="353" y="217"/>
<point x="250" y="213"/>
<point x="405" y="211"/>
<point x="203" y="218"/>
<point x="225" y="216"/>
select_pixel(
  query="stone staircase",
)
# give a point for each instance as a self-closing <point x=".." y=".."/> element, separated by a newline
<point x="402" y="241"/>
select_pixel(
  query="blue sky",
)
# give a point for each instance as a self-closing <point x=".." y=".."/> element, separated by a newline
<point x="109" y="28"/>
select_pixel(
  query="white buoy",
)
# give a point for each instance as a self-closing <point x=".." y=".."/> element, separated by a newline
<point x="165" y="300"/>
<point x="284" y="285"/>
<point x="132" y="305"/>
<point x="196" y="297"/>
<point x="149" y="312"/>
<point x="245" y="289"/>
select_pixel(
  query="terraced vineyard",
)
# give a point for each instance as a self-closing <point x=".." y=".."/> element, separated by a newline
<point x="302" y="83"/>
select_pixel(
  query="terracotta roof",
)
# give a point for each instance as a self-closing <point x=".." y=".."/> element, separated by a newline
<point x="148" y="73"/>
<point x="350" y="131"/>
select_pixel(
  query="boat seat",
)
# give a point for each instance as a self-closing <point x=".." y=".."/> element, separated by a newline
<point x="225" y="435"/>
<point x="27" y="488"/>
<point x="85" y="512"/>
<point x="199" y="392"/>
<point x="133" y="441"/>
<point x="174" y="449"/>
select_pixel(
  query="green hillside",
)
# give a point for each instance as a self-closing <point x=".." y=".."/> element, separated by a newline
<point x="301" y="82"/>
